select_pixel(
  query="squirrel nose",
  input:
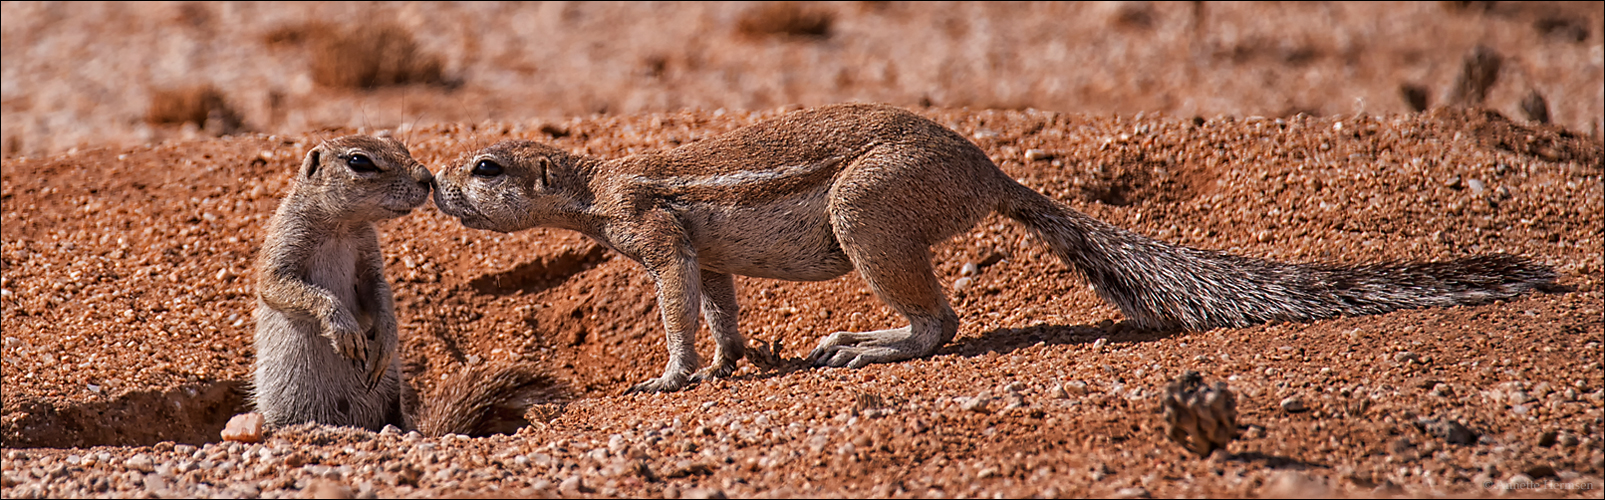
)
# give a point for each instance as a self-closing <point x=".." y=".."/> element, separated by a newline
<point x="427" y="179"/>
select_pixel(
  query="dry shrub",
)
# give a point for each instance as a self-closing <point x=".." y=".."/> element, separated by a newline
<point x="368" y="56"/>
<point x="1563" y="28"/>
<point x="293" y="35"/>
<point x="785" y="19"/>
<point x="373" y="56"/>
<point x="202" y="105"/>
<point x="1134" y="15"/>
<point x="1478" y="73"/>
<point x="1535" y="107"/>
<point x="1414" y="95"/>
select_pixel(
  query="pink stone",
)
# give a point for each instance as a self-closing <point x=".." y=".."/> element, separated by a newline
<point x="244" y="428"/>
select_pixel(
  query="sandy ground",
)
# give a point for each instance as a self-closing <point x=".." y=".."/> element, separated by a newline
<point x="1274" y="131"/>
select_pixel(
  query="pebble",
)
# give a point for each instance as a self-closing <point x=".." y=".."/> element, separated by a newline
<point x="244" y="428"/>
<point x="976" y="404"/>
<point x="140" y="462"/>
<point x="962" y="284"/>
<point x="1539" y="471"/>
<point x="1519" y="397"/>
<point x="1131" y="493"/>
<point x="154" y="483"/>
<point x="969" y="269"/>
<point x="1567" y="440"/>
<point x="573" y="485"/>
<point x="1450" y="431"/>
<point x="1547" y="439"/>
<point x="1293" y="404"/>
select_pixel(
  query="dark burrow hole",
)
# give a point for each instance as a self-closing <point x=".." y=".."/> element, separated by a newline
<point x="190" y="414"/>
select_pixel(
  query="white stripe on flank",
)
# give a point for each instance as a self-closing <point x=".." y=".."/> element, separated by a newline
<point x="736" y="178"/>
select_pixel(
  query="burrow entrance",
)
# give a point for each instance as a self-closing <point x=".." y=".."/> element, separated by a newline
<point x="190" y="414"/>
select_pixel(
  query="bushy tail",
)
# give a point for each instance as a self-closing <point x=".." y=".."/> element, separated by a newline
<point x="486" y="399"/>
<point x="1160" y="285"/>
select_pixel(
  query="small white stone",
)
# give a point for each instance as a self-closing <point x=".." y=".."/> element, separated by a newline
<point x="969" y="269"/>
<point x="962" y="284"/>
<point x="140" y="462"/>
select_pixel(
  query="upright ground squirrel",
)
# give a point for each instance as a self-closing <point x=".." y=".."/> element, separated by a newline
<point x="816" y="193"/>
<point x="326" y="336"/>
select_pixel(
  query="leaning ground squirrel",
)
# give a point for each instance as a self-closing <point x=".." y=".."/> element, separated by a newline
<point x="326" y="337"/>
<point x="816" y="193"/>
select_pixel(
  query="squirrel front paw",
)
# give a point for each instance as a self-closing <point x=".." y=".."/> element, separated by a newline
<point x="380" y="363"/>
<point x="346" y="337"/>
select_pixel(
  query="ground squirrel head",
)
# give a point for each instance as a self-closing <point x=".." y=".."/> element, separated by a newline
<point x="510" y="186"/>
<point x="361" y="178"/>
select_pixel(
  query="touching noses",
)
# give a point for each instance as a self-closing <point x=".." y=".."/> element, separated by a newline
<point x="426" y="179"/>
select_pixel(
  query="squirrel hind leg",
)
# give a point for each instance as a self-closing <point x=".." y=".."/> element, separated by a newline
<point x="899" y="271"/>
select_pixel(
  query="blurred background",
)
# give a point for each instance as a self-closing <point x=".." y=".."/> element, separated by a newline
<point x="89" y="74"/>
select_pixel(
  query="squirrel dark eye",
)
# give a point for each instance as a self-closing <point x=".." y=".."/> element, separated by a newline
<point x="487" y="168"/>
<point x="361" y="163"/>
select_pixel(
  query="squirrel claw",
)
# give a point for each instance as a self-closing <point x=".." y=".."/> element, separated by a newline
<point x="349" y="345"/>
<point x="660" y="384"/>
<point x="381" y="365"/>
<point x="718" y="370"/>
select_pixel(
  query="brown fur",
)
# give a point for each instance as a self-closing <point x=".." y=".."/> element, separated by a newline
<point x="325" y="319"/>
<point x="814" y="194"/>
<point x="326" y="337"/>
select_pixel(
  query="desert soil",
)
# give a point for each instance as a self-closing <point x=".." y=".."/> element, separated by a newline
<point x="1272" y="131"/>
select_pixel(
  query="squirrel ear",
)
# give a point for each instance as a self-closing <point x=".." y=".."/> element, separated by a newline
<point x="545" y="164"/>
<point x="310" y="165"/>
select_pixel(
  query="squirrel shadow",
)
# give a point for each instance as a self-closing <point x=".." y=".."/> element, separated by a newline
<point x="766" y="356"/>
<point x="1008" y="340"/>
